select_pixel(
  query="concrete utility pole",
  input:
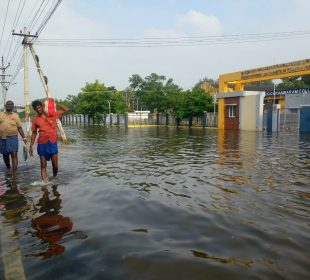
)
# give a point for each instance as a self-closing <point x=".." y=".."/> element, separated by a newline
<point x="4" y="83"/>
<point x="45" y="86"/>
<point x="26" y="42"/>
<point x="28" y="45"/>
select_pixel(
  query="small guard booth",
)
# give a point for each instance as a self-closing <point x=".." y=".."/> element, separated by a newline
<point x="242" y="110"/>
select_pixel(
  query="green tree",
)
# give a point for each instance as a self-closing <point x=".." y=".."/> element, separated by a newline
<point x="92" y="100"/>
<point x="294" y="83"/>
<point x="118" y="103"/>
<point x="209" y="81"/>
<point x="306" y="80"/>
<point x="95" y="99"/>
<point x="72" y="102"/>
<point x="264" y="83"/>
<point x="153" y="91"/>
<point x="193" y="103"/>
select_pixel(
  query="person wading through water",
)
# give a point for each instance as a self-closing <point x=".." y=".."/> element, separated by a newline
<point x="46" y="124"/>
<point x="10" y="126"/>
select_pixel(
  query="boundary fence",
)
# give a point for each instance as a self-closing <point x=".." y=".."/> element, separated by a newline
<point x="288" y="119"/>
<point x="206" y="120"/>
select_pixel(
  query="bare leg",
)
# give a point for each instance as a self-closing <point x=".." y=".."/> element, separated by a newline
<point x="14" y="163"/>
<point x="43" y="168"/>
<point x="6" y="159"/>
<point x="54" y="159"/>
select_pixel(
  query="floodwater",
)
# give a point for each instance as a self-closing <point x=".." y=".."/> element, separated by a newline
<point x="161" y="203"/>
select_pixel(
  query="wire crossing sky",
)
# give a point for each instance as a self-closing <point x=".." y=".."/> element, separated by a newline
<point x="174" y="41"/>
<point x="110" y="40"/>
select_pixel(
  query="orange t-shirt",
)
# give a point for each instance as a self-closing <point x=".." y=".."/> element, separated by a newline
<point x="47" y="127"/>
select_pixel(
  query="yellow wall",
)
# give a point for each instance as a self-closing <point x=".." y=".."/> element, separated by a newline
<point x="221" y="113"/>
<point x="282" y="103"/>
<point x="278" y="71"/>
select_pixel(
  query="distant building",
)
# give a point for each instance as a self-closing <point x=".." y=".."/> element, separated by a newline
<point x="139" y="115"/>
<point x="19" y="108"/>
<point x="241" y="110"/>
<point x="291" y="98"/>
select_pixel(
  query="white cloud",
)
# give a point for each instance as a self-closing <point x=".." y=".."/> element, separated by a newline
<point x="198" y="23"/>
<point x="193" y="23"/>
<point x="68" y="23"/>
<point x="69" y="68"/>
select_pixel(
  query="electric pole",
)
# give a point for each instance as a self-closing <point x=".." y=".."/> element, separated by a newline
<point x="3" y="82"/>
<point x="29" y="46"/>
<point x="25" y="43"/>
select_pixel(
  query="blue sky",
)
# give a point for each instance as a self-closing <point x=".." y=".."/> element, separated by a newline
<point x="69" y="68"/>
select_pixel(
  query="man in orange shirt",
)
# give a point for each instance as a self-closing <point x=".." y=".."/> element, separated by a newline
<point x="10" y="126"/>
<point x="47" y="141"/>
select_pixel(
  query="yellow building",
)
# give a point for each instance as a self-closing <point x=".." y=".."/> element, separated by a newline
<point x="241" y="110"/>
<point x="244" y="109"/>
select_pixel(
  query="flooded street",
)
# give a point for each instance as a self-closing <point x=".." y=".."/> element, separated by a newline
<point x="161" y="203"/>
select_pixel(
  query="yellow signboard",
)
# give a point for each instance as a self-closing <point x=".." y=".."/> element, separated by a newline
<point x="278" y="69"/>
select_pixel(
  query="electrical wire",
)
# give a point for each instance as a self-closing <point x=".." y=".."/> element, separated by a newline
<point x="38" y="15"/>
<point x="15" y="22"/>
<point x="39" y="19"/>
<point x="181" y="41"/>
<point x="48" y="16"/>
<point x="30" y="18"/>
<point x="6" y="14"/>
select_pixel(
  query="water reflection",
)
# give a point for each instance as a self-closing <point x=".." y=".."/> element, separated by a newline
<point x="228" y="148"/>
<point x="230" y="260"/>
<point x="165" y="203"/>
<point x="13" y="203"/>
<point x="48" y="204"/>
<point x="51" y="227"/>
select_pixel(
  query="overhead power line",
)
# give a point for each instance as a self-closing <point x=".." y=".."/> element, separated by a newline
<point x="180" y="41"/>
<point x="16" y="19"/>
<point x="38" y="14"/>
<point x="37" y="18"/>
<point x="6" y="14"/>
<point x="48" y="16"/>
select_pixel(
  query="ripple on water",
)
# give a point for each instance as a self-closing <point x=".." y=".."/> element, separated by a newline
<point x="157" y="203"/>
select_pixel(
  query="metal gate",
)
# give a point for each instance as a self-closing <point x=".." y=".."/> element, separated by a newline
<point x="288" y="119"/>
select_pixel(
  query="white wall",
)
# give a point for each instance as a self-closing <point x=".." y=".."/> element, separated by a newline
<point x="295" y="100"/>
<point x="251" y="112"/>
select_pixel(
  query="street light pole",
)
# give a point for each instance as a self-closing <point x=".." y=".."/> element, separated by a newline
<point x="214" y="103"/>
<point x="214" y="100"/>
<point x="109" y="106"/>
<point x="4" y="83"/>
<point x="274" y="93"/>
<point x="110" y="116"/>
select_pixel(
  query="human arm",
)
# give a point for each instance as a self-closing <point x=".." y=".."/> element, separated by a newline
<point x="34" y="129"/>
<point x="33" y="138"/>
<point x="22" y="134"/>
<point x="63" y="108"/>
<point x="20" y="129"/>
